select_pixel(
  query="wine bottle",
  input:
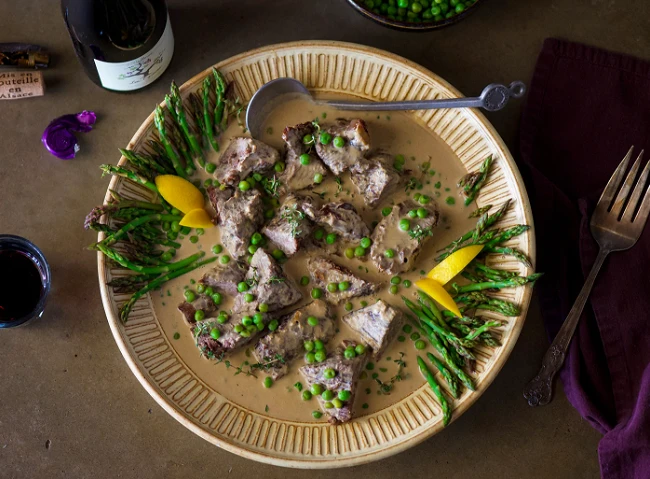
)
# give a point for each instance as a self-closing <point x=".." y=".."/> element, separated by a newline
<point x="123" y="45"/>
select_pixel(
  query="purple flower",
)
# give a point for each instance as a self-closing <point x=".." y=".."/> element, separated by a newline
<point x="58" y="137"/>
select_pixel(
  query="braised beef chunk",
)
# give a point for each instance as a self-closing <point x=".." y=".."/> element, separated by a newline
<point x="341" y="218"/>
<point x="375" y="177"/>
<point x="357" y="143"/>
<point x="240" y="217"/>
<point x="242" y="157"/>
<point x="218" y="198"/>
<point x="268" y="285"/>
<point x="345" y="379"/>
<point x="324" y="271"/>
<point x="224" y="277"/>
<point x="297" y="176"/>
<point x="289" y="227"/>
<point x="229" y="340"/>
<point x="202" y="302"/>
<point x="279" y="347"/>
<point x="377" y="324"/>
<point x="405" y="245"/>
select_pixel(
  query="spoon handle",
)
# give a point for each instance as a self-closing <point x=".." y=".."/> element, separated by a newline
<point x="493" y="97"/>
<point x="404" y="105"/>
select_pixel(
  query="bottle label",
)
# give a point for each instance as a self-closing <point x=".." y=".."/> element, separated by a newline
<point x="138" y="73"/>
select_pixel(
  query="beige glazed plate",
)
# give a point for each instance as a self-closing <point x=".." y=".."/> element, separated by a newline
<point x="169" y="370"/>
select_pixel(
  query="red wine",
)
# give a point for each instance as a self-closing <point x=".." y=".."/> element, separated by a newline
<point x="21" y="286"/>
<point x="123" y="45"/>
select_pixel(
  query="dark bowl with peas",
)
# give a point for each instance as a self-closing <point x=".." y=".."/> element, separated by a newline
<point x="415" y="15"/>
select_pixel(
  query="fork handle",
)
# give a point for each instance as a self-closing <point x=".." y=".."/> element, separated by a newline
<point x="539" y="391"/>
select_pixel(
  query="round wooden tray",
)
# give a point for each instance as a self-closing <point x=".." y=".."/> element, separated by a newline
<point x="366" y="73"/>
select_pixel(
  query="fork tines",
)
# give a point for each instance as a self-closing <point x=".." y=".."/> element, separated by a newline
<point x="617" y="197"/>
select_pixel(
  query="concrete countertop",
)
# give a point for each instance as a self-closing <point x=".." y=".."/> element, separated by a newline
<point x="70" y="406"/>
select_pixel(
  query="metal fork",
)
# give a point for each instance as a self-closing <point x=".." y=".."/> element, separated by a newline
<point x="616" y="225"/>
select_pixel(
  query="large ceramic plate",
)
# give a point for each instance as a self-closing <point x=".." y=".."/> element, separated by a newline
<point x="160" y="365"/>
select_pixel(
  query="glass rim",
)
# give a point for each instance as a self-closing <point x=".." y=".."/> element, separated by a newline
<point x="18" y="243"/>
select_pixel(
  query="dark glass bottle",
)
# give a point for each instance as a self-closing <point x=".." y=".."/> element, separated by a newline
<point x="123" y="45"/>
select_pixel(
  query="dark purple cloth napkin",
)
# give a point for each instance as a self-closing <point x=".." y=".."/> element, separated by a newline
<point x="586" y="107"/>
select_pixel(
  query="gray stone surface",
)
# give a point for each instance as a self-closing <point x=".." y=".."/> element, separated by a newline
<point x="70" y="407"/>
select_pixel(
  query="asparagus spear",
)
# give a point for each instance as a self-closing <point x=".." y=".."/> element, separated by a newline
<point x="208" y="118"/>
<point x="181" y="119"/>
<point x="170" y="151"/>
<point x="220" y="91"/>
<point x="477" y="332"/>
<point x="472" y="182"/>
<point x="477" y="300"/>
<point x="453" y="366"/>
<point x="519" y="255"/>
<point x="452" y="382"/>
<point x="130" y="283"/>
<point x="435" y="387"/>
<point x="166" y="268"/>
<point x="126" y="309"/>
<point x="479" y="211"/>
<point x="146" y="162"/>
<point x="491" y="219"/>
<point x="510" y="283"/>
<point x="119" y="171"/>
<point x="132" y="225"/>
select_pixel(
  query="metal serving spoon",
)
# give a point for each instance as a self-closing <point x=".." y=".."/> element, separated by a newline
<point x="493" y="97"/>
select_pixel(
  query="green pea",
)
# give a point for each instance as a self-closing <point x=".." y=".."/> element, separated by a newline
<point x="360" y="349"/>
<point x="256" y="238"/>
<point x="306" y="395"/>
<point x="416" y="196"/>
<point x="415" y="336"/>
<point x="424" y="199"/>
<point x="344" y="395"/>
<point x="210" y="167"/>
<point x="328" y="395"/>
<point x="312" y="321"/>
<point x="393" y="289"/>
<point x="273" y="325"/>
<point x="216" y="249"/>
<point x="364" y="304"/>
<point x="251" y="181"/>
<point x="319" y="233"/>
<point x="167" y="256"/>
<point x="246" y="320"/>
<point x="404" y="224"/>
<point x="316" y="389"/>
<point x="222" y="319"/>
<point x="413" y="214"/>
<point x="329" y="373"/>
<point x="242" y="286"/>
<point x="403" y="4"/>
<point x="200" y="288"/>
<point x="279" y="167"/>
<point x="338" y="142"/>
<point x="244" y="185"/>
<point x="386" y="211"/>
<point x="406" y="283"/>
<point x="420" y="344"/>
<point x="450" y="200"/>
<point x="422" y="213"/>
<point x="252" y="248"/>
<point x="304" y="281"/>
<point x="258" y="318"/>
<point x="325" y="138"/>
<point x="199" y="315"/>
<point x="308" y="345"/>
<point x="349" y="253"/>
<point x="308" y="139"/>
<point x="304" y="159"/>
<point x="194" y="239"/>
<point x="316" y="293"/>
<point x="401" y="339"/>
<point x="215" y="333"/>
<point x="359" y="251"/>
<point x="317" y="414"/>
<point x="176" y="212"/>
<point x="217" y="298"/>
<point x="370" y="366"/>
<point x="333" y="287"/>
<point x="225" y="259"/>
<point x="389" y="253"/>
<point x="349" y="353"/>
<point x="331" y="238"/>
<point x="177" y="335"/>
<point x="328" y="405"/>
<point x="185" y="230"/>
<point x="172" y="235"/>
<point x="165" y="226"/>
<point x="277" y="254"/>
<point x="338" y="404"/>
<point x="365" y="242"/>
<point x="263" y="308"/>
<point x="349" y="306"/>
<point x="189" y="295"/>
<point x="318" y="178"/>
<point x="238" y="328"/>
<point x="318" y="345"/>
<point x="268" y="382"/>
<point x="310" y="358"/>
<point x="320" y="356"/>
<point x="249" y="298"/>
<point x="460" y="8"/>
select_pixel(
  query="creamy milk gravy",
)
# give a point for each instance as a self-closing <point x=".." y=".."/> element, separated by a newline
<point x="396" y="133"/>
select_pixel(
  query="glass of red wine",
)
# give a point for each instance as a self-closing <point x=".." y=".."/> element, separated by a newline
<point x="24" y="281"/>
